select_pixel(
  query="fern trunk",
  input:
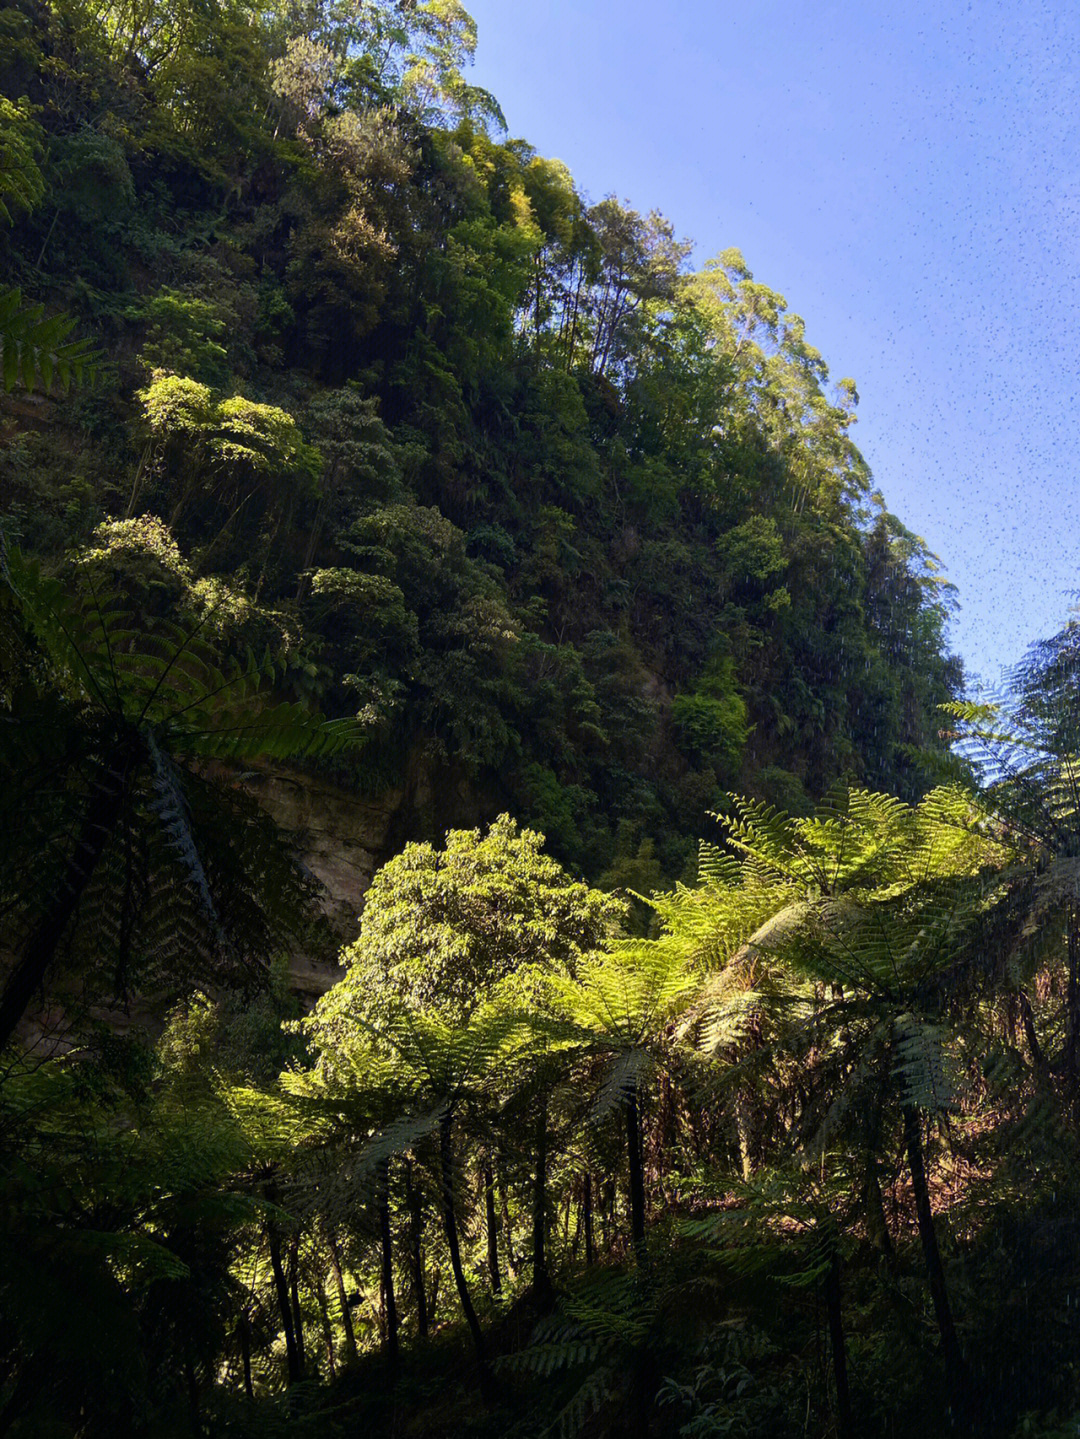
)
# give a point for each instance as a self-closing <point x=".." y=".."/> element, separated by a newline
<point x="386" y="1248"/>
<point x="245" y="1356"/>
<point x="294" y="1299"/>
<point x="877" y="1226"/>
<point x="446" y="1159"/>
<point x="343" y="1300"/>
<point x="541" y="1277"/>
<point x="416" y="1229"/>
<point x="838" y="1344"/>
<point x="192" y="1383"/>
<point x="956" y="1370"/>
<point x="507" y="1228"/>
<point x="100" y="818"/>
<point x="281" y="1288"/>
<point x="327" y="1327"/>
<point x="492" y="1232"/>
<point x="637" y="1171"/>
<point x="587" y="1218"/>
<point x="414" y="1205"/>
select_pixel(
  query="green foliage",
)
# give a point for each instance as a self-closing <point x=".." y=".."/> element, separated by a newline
<point x="443" y="928"/>
<point x="21" y="181"/>
<point x="712" y="720"/>
<point x="397" y="425"/>
<point x="637" y="555"/>
<point x="185" y="334"/>
<point x="35" y="348"/>
<point x="144" y="868"/>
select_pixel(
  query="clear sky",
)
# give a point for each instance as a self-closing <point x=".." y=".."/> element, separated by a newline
<point x="908" y="175"/>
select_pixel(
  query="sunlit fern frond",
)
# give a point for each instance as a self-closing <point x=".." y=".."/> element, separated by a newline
<point x="723" y="1018"/>
<point x="764" y="835"/>
<point x="631" y="992"/>
<point x="711" y="924"/>
<point x="716" y="868"/>
<point x="272" y="1124"/>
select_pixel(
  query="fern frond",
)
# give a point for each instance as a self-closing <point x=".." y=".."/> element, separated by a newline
<point x="924" y="1065"/>
<point x="577" y="1414"/>
<point x="35" y="347"/>
<point x="623" y="1074"/>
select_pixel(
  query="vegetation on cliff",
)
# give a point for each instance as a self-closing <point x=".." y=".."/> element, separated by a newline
<point x="579" y="531"/>
<point x="743" y="1103"/>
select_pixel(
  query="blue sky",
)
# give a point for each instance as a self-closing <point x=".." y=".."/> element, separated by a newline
<point x="908" y="175"/>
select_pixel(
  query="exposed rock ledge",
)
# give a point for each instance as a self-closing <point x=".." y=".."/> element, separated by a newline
<point x="342" y="837"/>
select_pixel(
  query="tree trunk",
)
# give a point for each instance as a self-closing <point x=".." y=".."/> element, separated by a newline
<point x="877" y="1226"/>
<point x="294" y="1296"/>
<point x="838" y="1344"/>
<point x="103" y="807"/>
<point x="587" y="1218"/>
<point x="343" y="1298"/>
<point x="956" y="1371"/>
<point x="389" y="1302"/>
<point x="48" y="237"/>
<point x="138" y="477"/>
<point x="304" y="578"/>
<point x="492" y="1233"/>
<point x="446" y="1161"/>
<point x="327" y="1327"/>
<point x="637" y="1174"/>
<point x="416" y="1227"/>
<point x="541" y="1277"/>
<point x="245" y="1355"/>
<point x="281" y="1287"/>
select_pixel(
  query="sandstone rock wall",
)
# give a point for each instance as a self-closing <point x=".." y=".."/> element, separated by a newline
<point x="343" y="839"/>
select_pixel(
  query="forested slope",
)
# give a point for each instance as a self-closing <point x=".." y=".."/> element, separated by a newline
<point x="362" y="481"/>
<point x="577" y="531"/>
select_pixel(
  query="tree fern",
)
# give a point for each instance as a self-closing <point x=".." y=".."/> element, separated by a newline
<point x="131" y="702"/>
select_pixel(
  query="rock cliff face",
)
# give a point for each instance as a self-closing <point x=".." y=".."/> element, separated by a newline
<point x="343" y="839"/>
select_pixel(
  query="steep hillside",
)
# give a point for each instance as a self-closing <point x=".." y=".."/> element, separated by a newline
<point x="577" y="532"/>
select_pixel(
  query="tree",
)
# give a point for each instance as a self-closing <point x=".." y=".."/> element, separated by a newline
<point x="620" y="1006"/>
<point x="33" y="348"/>
<point x="443" y="932"/>
<point x="1027" y="751"/>
<point x="441" y="929"/>
<point x="887" y="928"/>
<point x="422" y="1070"/>
<point x="780" y="380"/>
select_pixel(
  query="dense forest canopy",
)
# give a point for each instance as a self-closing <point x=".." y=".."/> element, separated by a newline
<point x="704" y="1060"/>
<point x="574" y="529"/>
